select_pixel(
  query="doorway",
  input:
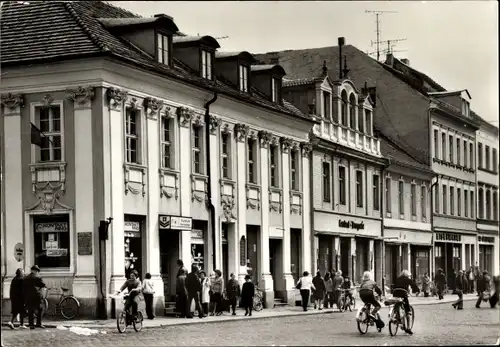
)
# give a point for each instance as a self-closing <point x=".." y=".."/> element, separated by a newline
<point x="345" y="251"/>
<point x="276" y="264"/>
<point x="169" y="254"/>
<point x="252" y="252"/>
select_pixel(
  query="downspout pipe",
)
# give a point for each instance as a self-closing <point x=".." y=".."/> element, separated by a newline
<point x="210" y="204"/>
<point x="382" y="210"/>
<point x="432" y="219"/>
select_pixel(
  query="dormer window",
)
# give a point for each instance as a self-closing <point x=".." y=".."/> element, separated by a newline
<point x="275" y="89"/>
<point x="243" y="78"/>
<point x="465" y="108"/>
<point x="163" y="45"/>
<point x="206" y="64"/>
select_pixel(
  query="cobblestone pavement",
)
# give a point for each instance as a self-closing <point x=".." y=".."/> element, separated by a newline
<point x="434" y="325"/>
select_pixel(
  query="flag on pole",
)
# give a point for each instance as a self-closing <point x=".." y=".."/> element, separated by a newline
<point x="36" y="136"/>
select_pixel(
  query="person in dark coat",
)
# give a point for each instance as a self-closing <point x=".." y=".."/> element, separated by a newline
<point x="452" y="277"/>
<point x="484" y="288"/>
<point x="319" y="292"/>
<point x="181" y="304"/>
<point x="193" y="287"/>
<point x="17" y="299"/>
<point x="495" y="297"/>
<point x="440" y="280"/>
<point x="247" y="295"/>
<point x="32" y="284"/>
<point x="233" y="292"/>
<point x="459" y="287"/>
<point x="182" y="269"/>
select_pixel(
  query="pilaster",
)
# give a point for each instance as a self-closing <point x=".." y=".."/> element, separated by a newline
<point x="307" y="251"/>
<point x="241" y="132"/>
<point x="85" y="283"/>
<point x="355" y="275"/>
<point x="286" y="144"/>
<point x="463" y="257"/>
<point x="371" y="257"/>
<point x="338" y="253"/>
<point x="214" y="178"/>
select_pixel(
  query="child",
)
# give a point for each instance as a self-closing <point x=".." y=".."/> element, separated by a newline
<point x="148" y="292"/>
<point x="347" y="285"/>
<point x="247" y="294"/>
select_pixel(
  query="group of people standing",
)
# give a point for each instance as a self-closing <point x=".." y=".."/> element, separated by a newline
<point x="209" y="294"/>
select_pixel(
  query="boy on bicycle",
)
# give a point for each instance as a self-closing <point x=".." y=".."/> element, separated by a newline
<point x="347" y="286"/>
<point x="134" y="289"/>
<point x="366" y="294"/>
<point x="400" y="290"/>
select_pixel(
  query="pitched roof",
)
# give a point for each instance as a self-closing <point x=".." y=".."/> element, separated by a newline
<point x="398" y="156"/>
<point x="38" y="32"/>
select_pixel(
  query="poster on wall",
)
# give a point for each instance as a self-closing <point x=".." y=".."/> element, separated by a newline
<point x="51" y="245"/>
<point x="85" y="243"/>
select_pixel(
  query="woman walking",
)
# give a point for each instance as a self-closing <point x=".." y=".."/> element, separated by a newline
<point x="181" y="306"/>
<point x="217" y="288"/>
<point x="247" y="295"/>
<point x="148" y="292"/>
<point x="205" y="292"/>
<point x="305" y="285"/>
<point x="17" y="299"/>
<point x="459" y="287"/>
<point x="426" y="285"/>
<point x="329" y="297"/>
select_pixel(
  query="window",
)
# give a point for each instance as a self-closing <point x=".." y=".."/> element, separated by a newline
<point x="376" y="190"/>
<point x="413" y="193"/>
<point x="388" y="195"/>
<point x="294" y="182"/>
<point x="166" y="143"/>
<point x="436" y="198"/>
<point x="459" y="159"/>
<point x="445" y="198"/>
<point x="443" y="146"/>
<point x="352" y="111"/>
<point x="359" y="188"/>
<point x="342" y="185"/>
<point x="481" y="203"/>
<point x="450" y="148"/>
<point x="225" y="153"/>
<point x="326" y="105"/>
<point x="423" y="201"/>
<point x="488" y="204"/>
<point x="275" y="90"/>
<point x="273" y="166"/>
<point x="326" y="182"/>
<point x="471" y="156"/>
<point x="206" y="64"/>
<point x="466" y="204"/>
<point x="459" y="202"/>
<point x="132" y="135"/>
<point x="163" y="45"/>
<point x="472" y="204"/>
<point x="495" y="206"/>
<point x="52" y="241"/>
<point x="252" y="161"/>
<point x="344" y="108"/>
<point x="487" y="157"/>
<point x="401" y="200"/>
<point x="361" y="122"/>
<point x="50" y="126"/>
<point x="495" y="163"/>
<point x="369" y="127"/>
<point x="466" y="164"/>
<point x="452" y="201"/>
<point x="436" y="143"/>
<point x="480" y="155"/>
<point x="197" y="142"/>
<point x="243" y="78"/>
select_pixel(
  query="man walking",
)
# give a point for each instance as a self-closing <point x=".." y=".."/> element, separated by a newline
<point x="337" y="283"/>
<point x="440" y="283"/>
<point x="193" y="286"/>
<point x="33" y="283"/>
<point x="233" y="292"/>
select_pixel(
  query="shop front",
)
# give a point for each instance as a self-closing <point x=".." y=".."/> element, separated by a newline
<point x="450" y="251"/>
<point x="133" y="230"/>
<point x="486" y="248"/>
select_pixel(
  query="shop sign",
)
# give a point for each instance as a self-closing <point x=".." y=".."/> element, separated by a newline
<point x="132" y="229"/>
<point x="61" y="252"/>
<point x="175" y="222"/>
<point x="56" y="227"/>
<point x="488" y="239"/>
<point x="352" y="225"/>
<point x="197" y="234"/>
<point x="448" y="237"/>
<point x="19" y="252"/>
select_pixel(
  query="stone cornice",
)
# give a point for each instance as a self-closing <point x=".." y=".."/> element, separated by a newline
<point x="153" y="107"/>
<point x="116" y="97"/>
<point x="12" y="101"/>
<point x="185" y="115"/>
<point x="286" y="144"/>
<point x="306" y="149"/>
<point x="82" y="95"/>
<point x="241" y="131"/>
<point x="215" y="123"/>
<point x="265" y="138"/>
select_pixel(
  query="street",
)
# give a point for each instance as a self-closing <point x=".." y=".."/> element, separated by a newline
<point x="434" y="325"/>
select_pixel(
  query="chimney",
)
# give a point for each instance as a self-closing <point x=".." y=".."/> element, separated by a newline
<point x="341" y="42"/>
<point x="405" y="61"/>
<point x="389" y="60"/>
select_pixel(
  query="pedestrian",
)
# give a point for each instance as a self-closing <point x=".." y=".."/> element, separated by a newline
<point x="233" y="292"/>
<point x="247" y="295"/>
<point x="440" y="283"/>
<point x="182" y="269"/>
<point x="329" y="297"/>
<point x="347" y="285"/>
<point x="426" y="284"/>
<point x="193" y="287"/>
<point x="459" y="285"/>
<point x="484" y="288"/>
<point x="217" y="287"/>
<point x="129" y="266"/>
<point x="181" y="304"/>
<point x="451" y="281"/>
<point x="305" y="286"/>
<point x="319" y="291"/>
<point x="148" y="292"/>
<point x="494" y="299"/>
<point x="464" y="280"/>
<point x="33" y="284"/>
<point x="470" y="278"/>
<point x="17" y="299"/>
<point x="338" y="280"/>
<point x="205" y="292"/>
<point x="477" y="277"/>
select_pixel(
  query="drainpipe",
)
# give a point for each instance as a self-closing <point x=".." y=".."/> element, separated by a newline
<point x="382" y="210"/>
<point x="210" y="205"/>
<point x="432" y="221"/>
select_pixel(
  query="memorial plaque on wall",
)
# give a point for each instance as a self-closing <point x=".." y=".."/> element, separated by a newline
<point x="85" y="243"/>
<point x="243" y="248"/>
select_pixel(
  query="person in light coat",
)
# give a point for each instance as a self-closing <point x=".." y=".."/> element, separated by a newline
<point x="205" y="292"/>
<point x="305" y="285"/>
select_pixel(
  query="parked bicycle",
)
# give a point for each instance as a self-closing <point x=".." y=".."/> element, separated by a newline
<point x="346" y="301"/>
<point x="126" y="318"/>
<point x="68" y="305"/>
<point x="258" y="299"/>
<point x="365" y="319"/>
<point x="397" y="315"/>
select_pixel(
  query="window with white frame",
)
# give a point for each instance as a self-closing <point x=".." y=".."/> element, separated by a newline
<point x="459" y="158"/>
<point x="466" y="204"/>
<point x="326" y="182"/>
<point x="413" y="193"/>
<point x="369" y="125"/>
<point x="495" y="206"/>
<point x="480" y="155"/>
<point x="273" y="166"/>
<point x="294" y="170"/>
<point x="352" y="111"/>
<point x="436" y="198"/>
<point x="206" y="64"/>
<point x="495" y="160"/>
<point x="167" y="136"/>
<point x="361" y="121"/>
<point x="251" y="161"/>
<point x="388" y="202"/>
<point x="452" y="201"/>
<point x="52" y="241"/>
<point x="132" y="135"/>
<point x="163" y="48"/>
<point x="376" y="192"/>
<point x="436" y="143"/>
<point x="423" y="201"/>
<point x="466" y="164"/>
<point x="225" y="155"/>
<point x="359" y="188"/>
<point x="443" y="146"/>
<point x="401" y="200"/>
<point x="450" y="149"/>
<point x="243" y="78"/>
<point x="342" y="185"/>
<point x="275" y="89"/>
<point x="343" y="108"/>
<point x="472" y="204"/>
<point x="487" y="157"/>
<point x="459" y="202"/>
<point x="488" y="204"/>
<point x="445" y="198"/>
<point x="49" y="122"/>
<point x="480" y="198"/>
<point x="471" y="156"/>
<point x="326" y="105"/>
<point x="197" y="143"/>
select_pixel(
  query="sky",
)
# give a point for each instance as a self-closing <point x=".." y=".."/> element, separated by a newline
<point x="454" y="42"/>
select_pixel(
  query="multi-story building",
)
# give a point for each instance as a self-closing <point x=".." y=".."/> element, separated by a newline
<point x="191" y="152"/>
<point x="487" y="202"/>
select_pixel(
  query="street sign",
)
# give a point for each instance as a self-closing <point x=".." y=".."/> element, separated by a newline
<point x="19" y="252"/>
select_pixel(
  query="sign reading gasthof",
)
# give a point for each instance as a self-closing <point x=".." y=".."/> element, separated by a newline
<point x="175" y="222"/>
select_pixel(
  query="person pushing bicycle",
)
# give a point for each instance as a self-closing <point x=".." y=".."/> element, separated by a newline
<point x="133" y="284"/>
<point x="366" y="294"/>
<point x="400" y="290"/>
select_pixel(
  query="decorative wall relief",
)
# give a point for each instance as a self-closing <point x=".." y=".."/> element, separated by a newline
<point x="286" y="144"/>
<point x="306" y="149"/>
<point x="241" y="131"/>
<point x="215" y="122"/>
<point x="275" y="200"/>
<point x="116" y="97"/>
<point x="296" y="202"/>
<point x="169" y="184"/>
<point x="153" y="107"/>
<point x="81" y="95"/>
<point x="227" y="199"/>
<point x="47" y="100"/>
<point x="12" y="101"/>
<point x="199" y="189"/>
<point x="135" y="179"/>
<point x="265" y="138"/>
<point x="253" y="196"/>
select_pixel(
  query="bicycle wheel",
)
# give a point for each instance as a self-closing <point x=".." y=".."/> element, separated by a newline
<point x="69" y="307"/>
<point x="352" y="305"/>
<point x="341" y="304"/>
<point x="44" y="306"/>
<point x="121" y="322"/>
<point x="362" y="322"/>
<point x="257" y="304"/>
<point x="394" y="321"/>
<point x="137" y="322"/>
<point x="412" y="320"/>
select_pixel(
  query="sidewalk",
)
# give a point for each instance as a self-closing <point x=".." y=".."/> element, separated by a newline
<point x="266" y="313"/>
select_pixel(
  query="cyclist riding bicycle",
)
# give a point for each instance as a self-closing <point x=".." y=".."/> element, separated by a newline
<point x="400" y="290"/>
<point x="347" y="286"/>
<point x="134" y="289"/>
<point x="366" y="294"/>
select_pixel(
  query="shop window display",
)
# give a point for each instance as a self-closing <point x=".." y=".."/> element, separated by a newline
<point x="52" y="241"/>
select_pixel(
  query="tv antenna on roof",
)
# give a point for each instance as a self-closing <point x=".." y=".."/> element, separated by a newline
<point x="378" y="42"/>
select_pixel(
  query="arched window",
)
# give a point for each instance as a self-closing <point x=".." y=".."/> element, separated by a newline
<point x="352" y="111"/>
<point x="344" y="108"/>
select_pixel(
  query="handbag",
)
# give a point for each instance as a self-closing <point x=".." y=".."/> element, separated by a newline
<point x="299" y="285"/>
<point x="486" y="295"/>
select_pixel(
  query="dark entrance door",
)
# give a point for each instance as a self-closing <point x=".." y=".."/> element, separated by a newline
<point x="169" y="254"/>
<point x="345" y="253"/>
<point x="252" y="253"/>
